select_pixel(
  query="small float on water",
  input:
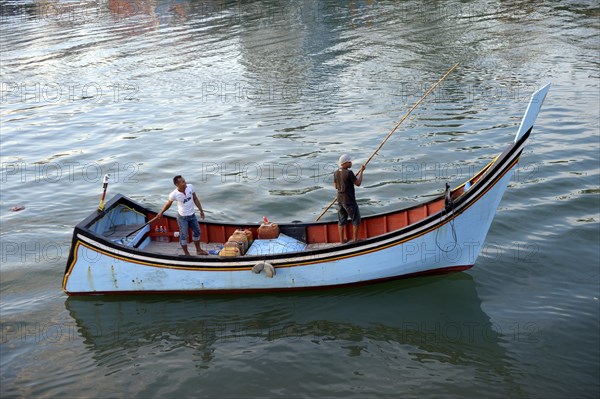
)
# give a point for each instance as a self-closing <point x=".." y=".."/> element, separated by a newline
<point x="123" y="248"/>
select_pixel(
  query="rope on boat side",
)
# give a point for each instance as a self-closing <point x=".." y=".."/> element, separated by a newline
<point x="448" y="210"/>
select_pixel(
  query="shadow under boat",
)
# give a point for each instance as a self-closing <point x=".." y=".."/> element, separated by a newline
<point x="436" y="317"/>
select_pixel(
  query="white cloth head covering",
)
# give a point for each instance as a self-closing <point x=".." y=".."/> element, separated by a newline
<point x="344" y="158"/>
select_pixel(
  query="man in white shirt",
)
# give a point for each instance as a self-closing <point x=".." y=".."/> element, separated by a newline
<point x="185" y="195"/>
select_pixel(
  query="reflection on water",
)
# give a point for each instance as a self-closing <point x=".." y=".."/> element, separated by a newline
<point x="427" y="320"/>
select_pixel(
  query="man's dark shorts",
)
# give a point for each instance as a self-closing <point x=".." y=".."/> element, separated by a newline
<point x="346" y="211"/>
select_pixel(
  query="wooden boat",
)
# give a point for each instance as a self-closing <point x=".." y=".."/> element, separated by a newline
<point x="445" y="234"/>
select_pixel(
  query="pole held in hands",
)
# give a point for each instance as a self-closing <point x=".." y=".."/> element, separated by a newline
<point x="397" y="125"/>
<point x="141" y="227"/>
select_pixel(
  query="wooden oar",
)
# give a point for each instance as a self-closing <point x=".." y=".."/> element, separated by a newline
<point x="396" y="127"/>
<point x="141" y="227"/>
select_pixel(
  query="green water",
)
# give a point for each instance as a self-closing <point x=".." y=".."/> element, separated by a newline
<point x="253" y="102"/>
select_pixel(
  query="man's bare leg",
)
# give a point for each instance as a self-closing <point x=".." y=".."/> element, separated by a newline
<point x="199" y="251"/>
<point x="355" y="232"/>
<point x="342" y="232"/>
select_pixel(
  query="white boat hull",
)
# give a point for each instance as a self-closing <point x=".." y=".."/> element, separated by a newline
<point x="100" y="271"/>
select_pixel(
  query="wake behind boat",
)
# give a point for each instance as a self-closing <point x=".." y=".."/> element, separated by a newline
<point x="123" y="248"/>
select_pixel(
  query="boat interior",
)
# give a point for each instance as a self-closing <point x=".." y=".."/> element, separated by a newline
<point x="130" y="227"/>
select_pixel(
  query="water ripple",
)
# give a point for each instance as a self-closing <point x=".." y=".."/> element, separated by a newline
<point x="257" y="101"/>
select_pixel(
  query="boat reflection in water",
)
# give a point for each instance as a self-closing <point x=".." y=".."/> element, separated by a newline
<point x="424" y="320"/>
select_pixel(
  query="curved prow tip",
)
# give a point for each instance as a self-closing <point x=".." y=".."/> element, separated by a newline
<point x="537" y="99"/>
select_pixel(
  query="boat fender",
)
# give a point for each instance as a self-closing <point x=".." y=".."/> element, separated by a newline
<point x="258" y="267"/>
<point x="269" y="270"/>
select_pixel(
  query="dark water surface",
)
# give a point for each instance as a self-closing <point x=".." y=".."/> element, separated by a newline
<point x="253" y="102"/>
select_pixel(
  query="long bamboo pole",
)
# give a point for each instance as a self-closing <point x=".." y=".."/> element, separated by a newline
<point x="396" y="127"/>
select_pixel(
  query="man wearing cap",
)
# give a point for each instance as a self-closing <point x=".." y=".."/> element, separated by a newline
<point x="344" y="181"/>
